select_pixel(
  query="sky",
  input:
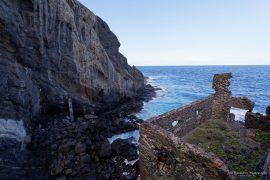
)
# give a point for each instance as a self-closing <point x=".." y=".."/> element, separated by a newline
<point x="189" y="32"/>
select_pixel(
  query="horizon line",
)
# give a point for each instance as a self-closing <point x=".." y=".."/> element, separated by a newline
<point x="209" y="65"/>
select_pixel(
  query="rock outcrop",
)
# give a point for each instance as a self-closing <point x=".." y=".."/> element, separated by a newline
<point x="258" y="121"/>
<point x="71" y="149"/>
<point x="65" y="88"/>
<point x="52" y="50"/>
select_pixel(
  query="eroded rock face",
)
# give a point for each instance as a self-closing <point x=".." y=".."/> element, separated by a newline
<point x="54" y="49"/>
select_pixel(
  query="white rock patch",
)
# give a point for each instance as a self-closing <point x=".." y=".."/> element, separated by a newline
<point x="14" y="129"/>
<point x="174" y="123"/>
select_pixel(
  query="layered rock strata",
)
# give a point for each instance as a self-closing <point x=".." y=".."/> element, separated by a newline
<point x="53" y="50"/>
<point x="57" y="57"/>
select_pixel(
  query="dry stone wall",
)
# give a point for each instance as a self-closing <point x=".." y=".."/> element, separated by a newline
<point x="164" y="155"/>
<point x="223" y="101"/>
<point x="183" y="120"/>
<point x="258" y="121"/>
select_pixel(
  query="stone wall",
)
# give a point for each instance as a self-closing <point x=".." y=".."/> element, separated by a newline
<point x="165" y="156"/>
<point x="183" y="120"/>
<point x="163" y="152"/>
<point x="266" y="168"/>
<point x="258" y="121"/>
<point x="223" y="101"/>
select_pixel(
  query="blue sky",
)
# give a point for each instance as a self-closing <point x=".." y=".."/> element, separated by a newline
<point x="189" y="32"/>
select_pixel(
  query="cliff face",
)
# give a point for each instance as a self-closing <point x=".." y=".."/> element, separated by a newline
<point x="51" y="50"/>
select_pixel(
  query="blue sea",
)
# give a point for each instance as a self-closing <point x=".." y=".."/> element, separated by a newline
<point x="181" y="85"/>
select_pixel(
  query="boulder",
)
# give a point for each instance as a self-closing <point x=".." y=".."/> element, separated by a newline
<point x="127" y="126"/>
<point x="123" y="177"/>
<point x="90" y="116"/>
<point x="57" y="170"/>
<point x="103" y="149"/>
<point x="66" y="147"/>
<point x="136" y="166"/>
<point x="80" y="148"/>
<point x="119" y="146"/>
<point x="125" y="148"/>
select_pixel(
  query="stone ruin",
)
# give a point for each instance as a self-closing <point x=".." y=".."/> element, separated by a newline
<point x="163" y="152"/>
<point x="258" y="121"/>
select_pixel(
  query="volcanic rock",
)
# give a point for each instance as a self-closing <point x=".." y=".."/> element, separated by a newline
<point x="56" y="59"/>
<point x="104" y="149"/>
<point x="80" y="148"/>
<point x="125" y="148"/>
<point x="51" y="51"/>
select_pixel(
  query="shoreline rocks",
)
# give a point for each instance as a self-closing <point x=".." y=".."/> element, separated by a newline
<point x="65" y="148"/>
<point x="125" y="148"/>
<point x="62" y="74"/>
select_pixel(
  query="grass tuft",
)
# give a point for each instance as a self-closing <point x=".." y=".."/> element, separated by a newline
<point x="262" y="136"/>
<point x="239" y="152"/>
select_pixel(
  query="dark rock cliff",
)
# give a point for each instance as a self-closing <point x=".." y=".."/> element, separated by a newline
<point x="51" y="50"/>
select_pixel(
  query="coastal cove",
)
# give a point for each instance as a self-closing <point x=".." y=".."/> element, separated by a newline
<point x="74" y="104"/>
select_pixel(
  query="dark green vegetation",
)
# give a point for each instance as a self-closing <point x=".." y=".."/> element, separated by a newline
<point x="262" y="137"/>
<point x="243" y="150"/>
<point x="165" y="178"/>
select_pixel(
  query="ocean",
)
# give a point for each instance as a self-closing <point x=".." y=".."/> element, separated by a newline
<point x="181" y="85"/>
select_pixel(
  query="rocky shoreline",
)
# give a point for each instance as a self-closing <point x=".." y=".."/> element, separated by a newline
<point x="57" y="53"/>
<point x="63" y="148"/>
<point x="65" y="89"/>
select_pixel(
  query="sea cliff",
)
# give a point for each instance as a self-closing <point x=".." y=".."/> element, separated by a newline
<point x="65" y="88"/>
<point x="53" y="50"/>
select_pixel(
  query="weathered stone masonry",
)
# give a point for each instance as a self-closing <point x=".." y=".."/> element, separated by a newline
<point x="258" y="121"/>
<point x="164" y="153"/>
